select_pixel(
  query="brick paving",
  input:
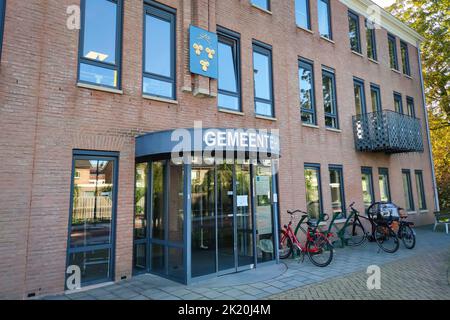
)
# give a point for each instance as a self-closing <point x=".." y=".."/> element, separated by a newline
<point x="408" y="274"/>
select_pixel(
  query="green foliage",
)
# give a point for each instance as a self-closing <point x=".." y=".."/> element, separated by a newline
<point x="431" y="18"/>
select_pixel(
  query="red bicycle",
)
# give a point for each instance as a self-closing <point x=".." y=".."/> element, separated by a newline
<point x="317" y="245"/>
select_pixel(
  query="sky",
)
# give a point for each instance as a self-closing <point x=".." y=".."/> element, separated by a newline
<point x="384" y="3"/>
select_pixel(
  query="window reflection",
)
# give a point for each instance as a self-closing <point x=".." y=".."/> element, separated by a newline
<point x="313" y="199"/>
<point x="307" y="105"/>
<point x="262" y="66"/>
<point x="228" y="85"/>
<point x="323" y="7"/>
<point x="302" y="13"/>
<point x="329" y="98"/>
<point x="367" y="190"/>
<point x="337" y="192"/>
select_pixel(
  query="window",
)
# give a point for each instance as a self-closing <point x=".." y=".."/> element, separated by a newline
<point x="371" y="40"/>
<point x="313" y="190"/>
<point x="410" y="107"/>
<point x="354" y="32"/>
<point x="307" y="99"/>
<point x="159" y="52"/>
<point x="100" y="43"/>
<point x="367" y="187"/>
<point x="229" y="85"/>
<point x="375" y="95"/>
<point x="262" y="70"/>
<point x="324" y="12"/>
<point x="398" y="104"/>
<point x="393" y="52"/>
<point x="329" y="99"/>
<point x="360" y="97"/>
<point x="263" y="4"/>
<point x="337" y="190"/>
<point x="420" y="190"/>
<point x="302" y="11"/>
<point x="383" y="179"/>
<point x="405" y="58"/>
<point x="92" y="215"/>
<point x="2" y="22"/>
<point x="407" y="190"/>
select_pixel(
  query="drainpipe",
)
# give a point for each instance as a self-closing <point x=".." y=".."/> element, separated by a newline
<point x="433" y="172"/>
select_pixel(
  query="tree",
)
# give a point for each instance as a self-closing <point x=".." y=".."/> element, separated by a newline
<point x="431" y="18"/>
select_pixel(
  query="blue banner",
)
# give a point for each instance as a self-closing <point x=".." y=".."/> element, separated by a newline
<point x="203" y="52"/>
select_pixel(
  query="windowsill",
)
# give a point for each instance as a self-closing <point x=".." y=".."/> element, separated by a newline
<point x="412" y="212"/>
<point x="372" y="60"/>
<point x="262" y="9"/>
<point x="265" y="117"/>
<point x="357" y="53"/>
<point x="305" y="29"/>
<point x="98" y="88"/>
<point x="308" y="125"/>
<point x="334" y="130"/>
<point x="149" y="97"/>
<point x="326" y="39"/>
<point x="424" y="211"/>
<point x="238" y="113"/>
<point x="395" y="70"/>
<point x="408" y="76"/>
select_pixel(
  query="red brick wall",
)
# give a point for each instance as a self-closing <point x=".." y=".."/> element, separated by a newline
<point x="44" y="116"/>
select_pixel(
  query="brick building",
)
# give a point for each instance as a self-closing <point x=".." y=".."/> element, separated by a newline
<point x="87" y="115"/>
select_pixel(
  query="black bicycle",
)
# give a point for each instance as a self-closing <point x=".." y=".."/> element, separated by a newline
<point x="406" y="232"/>
<point x="382" y="232"/>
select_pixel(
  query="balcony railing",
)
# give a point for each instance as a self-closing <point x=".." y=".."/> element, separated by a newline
<point x="387" y="131"/>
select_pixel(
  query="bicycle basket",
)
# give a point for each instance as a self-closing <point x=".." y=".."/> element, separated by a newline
<point x="384" y="211"/>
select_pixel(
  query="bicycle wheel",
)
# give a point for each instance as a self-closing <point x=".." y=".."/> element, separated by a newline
<point x="408" y="237"/>
<point x="355" y="235"/>
<point x="320" y="251"/>
<point x="285" y="247"/>
<point x="386" y="238"/>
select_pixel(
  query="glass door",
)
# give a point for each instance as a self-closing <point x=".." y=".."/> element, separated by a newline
<point x="225" y="219"/>
<point x="244" y="217"/>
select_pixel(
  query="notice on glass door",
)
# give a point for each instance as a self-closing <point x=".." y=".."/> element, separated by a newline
<point x="242" y="201"/>
<point x="262" y="185"/>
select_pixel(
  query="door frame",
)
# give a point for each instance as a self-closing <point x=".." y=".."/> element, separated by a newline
<point x="95" y="155"/>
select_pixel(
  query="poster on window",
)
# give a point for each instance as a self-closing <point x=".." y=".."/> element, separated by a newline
<point x="262" y="185"/>
<point x="264" y="219"/>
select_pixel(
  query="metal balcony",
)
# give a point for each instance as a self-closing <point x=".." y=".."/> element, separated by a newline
<point x="387" y="131"/>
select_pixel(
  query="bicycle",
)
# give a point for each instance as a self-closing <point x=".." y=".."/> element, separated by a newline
<point x="381" y="232"/>
<point x="405" y="231"/>
<point x="352" y="233"/>
<point x="317" y="245"/>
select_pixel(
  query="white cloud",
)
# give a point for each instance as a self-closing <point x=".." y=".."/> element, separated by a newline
<point x="384" y="3"/>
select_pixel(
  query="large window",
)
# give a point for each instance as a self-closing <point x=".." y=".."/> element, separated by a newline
<point x="375" y="95"/>
<point x="313" y="190"/>
<point x="354" y="32"/>
<point x="324" y="13"/>
<point x="398" y="104"/>
<point x="405" y="58"/>
<point x="383" y="180"/>
<point x="367" y="186"/>
<point x="337" y="190"/>
<point x="229" y="87"/>
<point x="307" y="98"/>
<point x="393" y="59"/>
<point x="159" y="52"/>
<point x="263" y="4"/>
<point x="100" y="43"/>
<point x="2" y="22"/>
<point x="93" y="206"/>
<point x="410" y="107"/>
<point x="420" y="190"/>
<point x="407" y="190"/>
<point x="360" y="97"/>
<point x="262" y="71"/>
<point x="329" y="99"/>
<point x="371" y="40"/>
<point x="302" y="14"/>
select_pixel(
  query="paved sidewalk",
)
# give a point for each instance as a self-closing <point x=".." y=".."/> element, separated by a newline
<point x="405" y="271"/>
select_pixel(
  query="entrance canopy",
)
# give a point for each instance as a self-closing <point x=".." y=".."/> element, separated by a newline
<point x="182" y="141"/>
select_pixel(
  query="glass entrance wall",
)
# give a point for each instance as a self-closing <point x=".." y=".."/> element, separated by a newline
<point x="226" y="224"/>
